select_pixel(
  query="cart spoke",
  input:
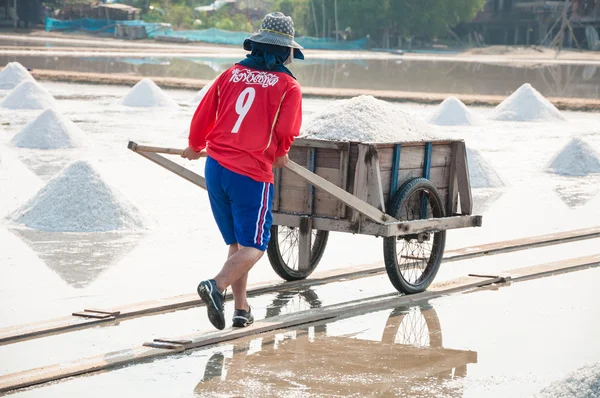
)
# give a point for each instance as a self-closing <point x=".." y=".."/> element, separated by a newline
<point x="414" y="256"/>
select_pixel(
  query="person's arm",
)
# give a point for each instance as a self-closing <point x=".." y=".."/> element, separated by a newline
<point x="202" y="122"/>
<point x="289" y="121"/>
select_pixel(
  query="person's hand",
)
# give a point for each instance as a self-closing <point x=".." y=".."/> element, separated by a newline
<point x="189" y="153"/>
<point x="281" y="162"/>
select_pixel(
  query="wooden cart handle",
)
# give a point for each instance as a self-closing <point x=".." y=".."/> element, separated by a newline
<point x="347" y="198"/>
<point x="155" y="149"/>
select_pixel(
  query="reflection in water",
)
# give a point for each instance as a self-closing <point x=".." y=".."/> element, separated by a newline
<point x="47" y="164"/>
<point x="556" y="80"/>
<point x="409" y="358"/>
<point x="576" y="192"/>
<point x="79" y="258"/>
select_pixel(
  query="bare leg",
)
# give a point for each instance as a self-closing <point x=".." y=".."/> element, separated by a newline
<point x="239" y="287"/>
<point x="236" y="267"/>
<point x="239" y="293"/>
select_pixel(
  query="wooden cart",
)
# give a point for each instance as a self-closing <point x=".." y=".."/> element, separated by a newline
<point x="409" y="193"/>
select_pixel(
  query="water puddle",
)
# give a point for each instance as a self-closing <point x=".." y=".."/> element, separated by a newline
<point x="79" y="258"/>
<point x="439" y="76"/>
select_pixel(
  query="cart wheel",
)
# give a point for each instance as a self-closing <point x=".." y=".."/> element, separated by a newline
<point x="283" y="251"/>
<point x="412" y="261"/>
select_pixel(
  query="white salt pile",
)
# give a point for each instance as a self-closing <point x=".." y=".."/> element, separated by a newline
<point x="452" y="112"/>
<point x="582" y="383"/>
<point x="365" y="119"/>
<point x="12" y="75"/>
<point x="17" y="182"/>
<point x="200" y="94"/>
<point x="147" y="94"/>
<point x="577" y="158"/>
<point x="527" y="105"/>
<point x="481" y="174"/>
<point x="78" y="200"/>
<point x="29" y="95"/>
<point x="50" y="130"/>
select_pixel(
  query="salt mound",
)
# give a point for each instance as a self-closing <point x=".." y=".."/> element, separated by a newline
<point x="147" y="94"/>
<point x="50" y="130"/>
<point x="527" y="105"/>
<point x="582" y="383"/>
<point x="78" y="200"/>
<point x="575" y="159"/>
<point x="365" y="119"/>
<point x="29" y="95"/>
<point x="12" y="75"/>
<point x="452" y="112"/>
<point x="200" y="95"/>
<point x="481" y="174"/>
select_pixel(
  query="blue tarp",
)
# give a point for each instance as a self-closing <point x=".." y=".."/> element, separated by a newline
<point x="218" y="36"/>
<point x="212" y="35"/>
<point x="95" y="25"/>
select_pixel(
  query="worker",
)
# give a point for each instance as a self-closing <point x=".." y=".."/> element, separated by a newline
<point x="246" y="122"/>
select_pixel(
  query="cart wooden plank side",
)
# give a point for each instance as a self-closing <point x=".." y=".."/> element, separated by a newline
<point x="409" y="193"/>
<point x="372" y="173"/>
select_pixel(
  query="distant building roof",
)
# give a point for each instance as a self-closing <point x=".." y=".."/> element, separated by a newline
<point x="217" y="5"/>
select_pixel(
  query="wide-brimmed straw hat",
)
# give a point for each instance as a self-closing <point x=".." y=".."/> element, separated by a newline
<point x="276" y="29"/>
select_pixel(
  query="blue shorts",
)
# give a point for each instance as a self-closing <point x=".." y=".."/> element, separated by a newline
<point x="241" y="206"/>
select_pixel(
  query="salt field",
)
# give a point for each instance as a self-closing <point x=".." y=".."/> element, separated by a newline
<point x="86" y="223"/>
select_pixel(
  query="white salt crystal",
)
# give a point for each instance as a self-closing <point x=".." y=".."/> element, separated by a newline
<point x="575" y="159"/>
<point x="147" y="94"/>
<point x="29" y="95"/>
<point x="481" y="174"/>
<point x="527" y="105"/>
<point x="582" y="383"/>
<point x="50" y="130"/>
<point x="364" y="119"/>
<point x="78" y="200"/>
<point x="12" y="75"/>
<point x="452" y="112"/>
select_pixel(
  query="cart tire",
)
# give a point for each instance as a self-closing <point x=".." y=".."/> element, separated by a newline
<point x="283" y="251"/>
<point x="412" y="261"/>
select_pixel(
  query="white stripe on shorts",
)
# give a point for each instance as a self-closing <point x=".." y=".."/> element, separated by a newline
<point x="262" y="199"/>
<point x="264" y="219"/>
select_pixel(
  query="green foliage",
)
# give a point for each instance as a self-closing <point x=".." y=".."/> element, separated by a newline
<point x="426" y="19"/>
<point x="376" y="18"/>
<point x="180" y="16"/>
<point x="225" y="19"/>
<point x="299" y="10"/>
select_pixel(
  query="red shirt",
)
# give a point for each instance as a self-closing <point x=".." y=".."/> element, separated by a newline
<point x="246" y="119"/>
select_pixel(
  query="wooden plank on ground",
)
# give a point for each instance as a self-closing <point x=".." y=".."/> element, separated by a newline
<point x="63" y="370"/>
<point x="522" y="244"/>
<point x="17" y="333"/>
<point x="59" y="371"/>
